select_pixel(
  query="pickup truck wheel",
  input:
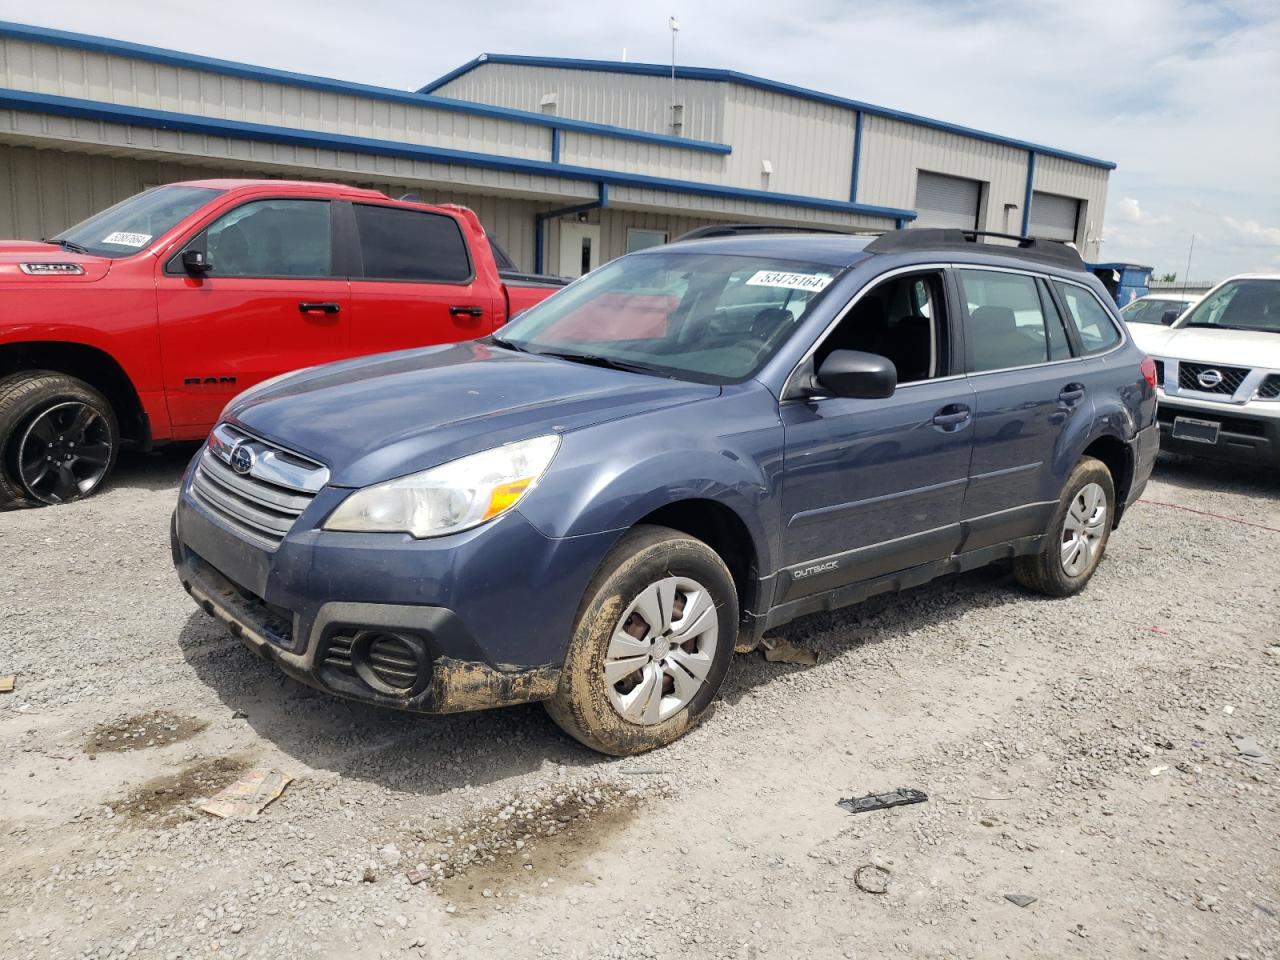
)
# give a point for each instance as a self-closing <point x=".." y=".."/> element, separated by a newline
<point x="58" y="439"/>
<point x="1077" y="534"/>
<point x="651" y="646"/>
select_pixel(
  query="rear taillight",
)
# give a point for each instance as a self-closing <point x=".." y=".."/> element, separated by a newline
<point x="1148" y="368"/>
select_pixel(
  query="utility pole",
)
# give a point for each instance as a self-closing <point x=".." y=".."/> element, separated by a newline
<point x="1186" y="276"/>
<point x="674" y="24"/>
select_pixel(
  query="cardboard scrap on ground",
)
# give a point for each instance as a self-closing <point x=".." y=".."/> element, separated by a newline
<point x="249" y="795"/>
<point x="784" y="651"/>
<point x="6" y="684"/>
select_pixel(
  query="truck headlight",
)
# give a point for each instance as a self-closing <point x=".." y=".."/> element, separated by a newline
<point x="452" y="497"/>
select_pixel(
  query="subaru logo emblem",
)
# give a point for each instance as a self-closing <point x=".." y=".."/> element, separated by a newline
<point x="1209" y="378"/>
<point x="242" y="458"/>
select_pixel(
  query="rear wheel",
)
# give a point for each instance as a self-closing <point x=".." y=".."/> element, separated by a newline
<point x="651" y="646"/>
<point x="58" y="439"/>
<point x="1077" y="534"/>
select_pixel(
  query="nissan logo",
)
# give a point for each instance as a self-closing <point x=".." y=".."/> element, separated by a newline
<point x="1209" y="378"/>
<point x="242" y="458"/>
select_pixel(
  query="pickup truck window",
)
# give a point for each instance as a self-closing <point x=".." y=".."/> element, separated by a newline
<point x="270" y="238"/>
<point x="710" y="318"/>
<point x="407" y="245"/>
<point x="132" y="225"/>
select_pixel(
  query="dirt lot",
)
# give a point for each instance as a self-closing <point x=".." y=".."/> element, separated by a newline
<point x="1079" y="752"/>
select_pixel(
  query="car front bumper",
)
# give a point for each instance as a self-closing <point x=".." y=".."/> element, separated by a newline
<point x="475" y="620"/>
<point x="1243" y="435"/>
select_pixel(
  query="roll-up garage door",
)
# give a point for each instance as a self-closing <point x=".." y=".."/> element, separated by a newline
<point x="1053" y="217"/>
<point x="947" y="201"/>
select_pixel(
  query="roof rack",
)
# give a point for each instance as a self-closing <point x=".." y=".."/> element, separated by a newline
<point x="928" y="238"/>
<point x="739" y="229"/>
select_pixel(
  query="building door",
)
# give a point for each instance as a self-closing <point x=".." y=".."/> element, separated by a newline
<point x="947" y="201"/>
<point x="1053" y="217"/>
<point x="579" y="248"/>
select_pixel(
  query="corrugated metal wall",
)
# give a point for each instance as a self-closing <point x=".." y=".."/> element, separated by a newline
<point x="622" y="100"/>
<point x="1089" y="184"/>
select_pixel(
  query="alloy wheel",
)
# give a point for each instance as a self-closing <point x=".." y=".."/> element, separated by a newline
<point x="661" y="650"/>
<point x="1083" y="529"/>
<point x="64" y="453"/>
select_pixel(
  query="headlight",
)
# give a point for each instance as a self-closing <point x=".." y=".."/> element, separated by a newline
<point x="451" y="497"/>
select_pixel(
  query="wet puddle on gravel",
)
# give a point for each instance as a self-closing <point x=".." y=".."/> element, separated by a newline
<point x="512" y="850"/>
<point x="156" y="729"/>
<point x="165" y="801"/>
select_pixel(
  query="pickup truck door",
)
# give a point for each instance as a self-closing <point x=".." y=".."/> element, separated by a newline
<point x="269" y="303"/>
<point x="415" y="280"/>
<point x="875" y="486"/>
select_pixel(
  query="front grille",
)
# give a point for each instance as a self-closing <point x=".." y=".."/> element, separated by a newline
<point x="1270" y="389"/>
<point x="1160" y="373"/>
<point x="338" y="653"/>
<point x="393" y="663"/>
<point x="1189" y="378"/>
<point x="263" y="503"/>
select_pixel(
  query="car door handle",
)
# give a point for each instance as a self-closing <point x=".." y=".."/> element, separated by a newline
<point x="309" y="306"/>
<point x="952" y="417"/>
<point x="465" y="311"/>
<point x="1072" y="393"/>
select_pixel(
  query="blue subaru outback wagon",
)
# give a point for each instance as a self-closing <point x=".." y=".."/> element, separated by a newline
<point x="693" y="444"/>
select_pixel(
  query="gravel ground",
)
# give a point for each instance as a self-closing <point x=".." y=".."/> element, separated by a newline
<point x="1079" y="752"/>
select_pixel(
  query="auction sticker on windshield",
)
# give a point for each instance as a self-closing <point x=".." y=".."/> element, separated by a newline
<point x="792" y="281"/>
<point x="127" y="239"/>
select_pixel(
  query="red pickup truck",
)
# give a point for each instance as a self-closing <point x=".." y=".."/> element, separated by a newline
<point x="139" y="324"/>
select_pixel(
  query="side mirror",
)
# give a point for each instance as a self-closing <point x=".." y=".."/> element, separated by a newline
<point x="858" y="375"/>
<point x="195" y="262"/>
<point x="1168" y="317"/>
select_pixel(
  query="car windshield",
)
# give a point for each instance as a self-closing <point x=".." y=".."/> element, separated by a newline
<point x="131" y="225"/>
<point x="1240" y="305"/>
<point x="712" y="318"/>
<point x="1152" y="311"/>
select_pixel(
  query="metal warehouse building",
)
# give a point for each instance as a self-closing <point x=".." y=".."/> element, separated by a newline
<point x="568" y="162"/>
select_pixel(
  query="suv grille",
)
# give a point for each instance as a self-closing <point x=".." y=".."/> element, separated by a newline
<point x="1270" y="389"/>
<point x="262" y="501"/>
<point x="1189" y="378"/>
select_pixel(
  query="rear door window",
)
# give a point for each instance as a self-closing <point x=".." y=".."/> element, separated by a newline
<point x="410" y="245"/>
<point x="1007" y="323"/>
<point x="1092" y="322"/>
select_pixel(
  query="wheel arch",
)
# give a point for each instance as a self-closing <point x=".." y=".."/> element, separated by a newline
<point x="92" y="365"/>
<point x="1117" y="457"/>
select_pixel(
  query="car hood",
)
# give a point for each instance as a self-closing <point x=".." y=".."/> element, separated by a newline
<point x="14" y="253"/>
<point x="1239" y="348"/>
<point x="376" y="418"/>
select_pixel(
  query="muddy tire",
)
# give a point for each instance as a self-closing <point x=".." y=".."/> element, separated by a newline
<point x="58" y="439"/>
<point x="1077" y="534"/>
<point x="651" y="645"/>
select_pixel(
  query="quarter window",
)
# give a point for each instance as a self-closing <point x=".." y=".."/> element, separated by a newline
<point x="270" y="238"/>
<point x="1009" y="323"/>
<point x="407" y="245"/>
<point x="1092" y="322"/>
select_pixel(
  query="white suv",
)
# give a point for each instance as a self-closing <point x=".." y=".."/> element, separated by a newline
<point x="1218" y="368"/>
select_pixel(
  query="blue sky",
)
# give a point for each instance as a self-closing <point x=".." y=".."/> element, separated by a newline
<point x="1184" y="96"/>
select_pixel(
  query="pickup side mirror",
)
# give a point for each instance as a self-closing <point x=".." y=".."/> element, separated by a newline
<point x="195" y="262"/>
<point x="1168" y="317"/>
<point x="858" y="375"/>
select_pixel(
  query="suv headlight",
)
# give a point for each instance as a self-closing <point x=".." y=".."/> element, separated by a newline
<point x="452" y="497"/>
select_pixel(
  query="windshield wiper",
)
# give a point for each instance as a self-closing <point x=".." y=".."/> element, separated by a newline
<point x="594" y="360"/>
<point x="68" y="245"/>
<point x="507" y="344"/>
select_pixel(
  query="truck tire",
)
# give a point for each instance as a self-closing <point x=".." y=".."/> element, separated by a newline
<point x="58" y="439"/>
<point x="651" y="646"/>
<point x="1077" y="534"/>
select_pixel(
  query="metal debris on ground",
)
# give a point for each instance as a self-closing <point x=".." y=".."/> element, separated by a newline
<point x="881" y="801"/>
<point x="1250" y="750"/>
<point x="784" y="651"/>
<point x="1020" y="899"/>
<point x="6" y="684"/>
<point x="249" y="795"/>
<point x="871" y="878"/>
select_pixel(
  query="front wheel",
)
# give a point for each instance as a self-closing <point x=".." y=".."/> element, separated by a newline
<point x="1077" y="534"/>
<point x="651" y="646"/>
<point x="58" y="439"/>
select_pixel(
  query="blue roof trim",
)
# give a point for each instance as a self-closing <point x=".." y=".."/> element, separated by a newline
<point x="745" y="79"/>
<point x="231" y="68"/>
<point x="167" y="120"/>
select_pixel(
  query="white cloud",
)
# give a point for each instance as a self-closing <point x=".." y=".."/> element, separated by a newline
<point x="1252" y="232"/>
<point x="1127" y="210"/>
